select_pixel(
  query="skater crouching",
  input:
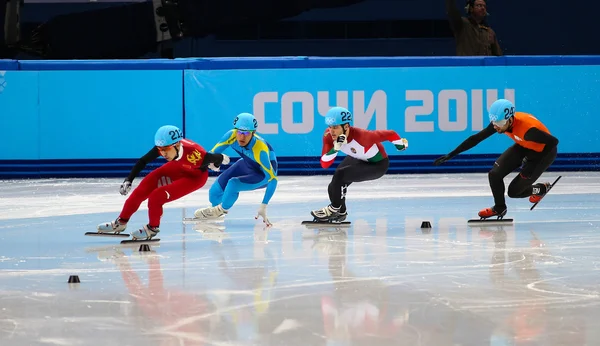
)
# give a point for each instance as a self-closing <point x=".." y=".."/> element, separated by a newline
<point x="185" y="172"/>
<point x="534" y="149"/>
<point x="366" y="160"/>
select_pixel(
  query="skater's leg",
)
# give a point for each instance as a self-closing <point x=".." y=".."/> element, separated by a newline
<point x="172" y="192"/>
<point x="135" y="199"/>
<point x="148" y="184"/>
<point x="215" y="194"/>
<point x="225" y="191"/>
<point x="510" y="160"/>
<point x="523" y="185"/>
<point x="252" y="181"/>
<point x="352" y="170"/>
<point x="231" y="194"/>
<point x="217" y="189"/>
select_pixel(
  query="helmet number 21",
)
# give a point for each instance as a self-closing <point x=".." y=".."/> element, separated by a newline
<point x="175" y="135"/>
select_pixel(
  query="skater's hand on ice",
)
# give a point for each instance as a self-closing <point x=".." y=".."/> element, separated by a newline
<point x="125" y="188"/>
<point x="403" y="144"/>
<point x="340" y="140"/>
<point x="441" y="160"/>
<point x="262" y="212"/>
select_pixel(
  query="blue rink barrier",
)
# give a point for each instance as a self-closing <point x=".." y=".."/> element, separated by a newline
<point x="83" y="118"/>
<point x="119" y="168"/>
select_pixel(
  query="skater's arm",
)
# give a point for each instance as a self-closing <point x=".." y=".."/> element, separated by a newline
<point x="536" y="135"/>
<point x="379" y="136"/>
<point x="225" y="141"/>
<point x="150" y="156"/>
<point x="473" y="140"/>
<point x="328" y="153"/>
<point x="269" y="171"/>
<point x="269" y="191"/>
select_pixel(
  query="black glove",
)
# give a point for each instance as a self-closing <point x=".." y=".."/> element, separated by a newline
<point x="441" y="160"/>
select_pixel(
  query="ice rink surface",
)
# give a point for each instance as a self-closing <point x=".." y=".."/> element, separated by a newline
<point x="381" y="281"/>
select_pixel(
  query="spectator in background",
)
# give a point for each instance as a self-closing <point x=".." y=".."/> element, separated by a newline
<point x="472" y="33"/>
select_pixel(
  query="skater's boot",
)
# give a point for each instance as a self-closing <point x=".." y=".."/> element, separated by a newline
<point x="493" y="211"/>
<point x="539" y="191"/>
<point x="210" y="213"/>
<point x="116" y="226"/>
<point x="329" y="214"/>
<point x="145" y="233"/>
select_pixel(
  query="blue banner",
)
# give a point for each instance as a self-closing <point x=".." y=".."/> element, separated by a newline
<point x="19" y="108"/>
<point x="435" y="108"/>
<point x="87" y="114"/>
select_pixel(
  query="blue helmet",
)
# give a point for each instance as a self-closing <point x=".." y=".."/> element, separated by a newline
<point x="338" y="116"/>
<point x="500" y="111"/>
<point x="245" y="122"/>
<point x="167" y="135"/>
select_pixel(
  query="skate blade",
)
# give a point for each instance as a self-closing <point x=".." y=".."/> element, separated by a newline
<point x="549" y="188"/>
<point x="135" y="241"/>
<point x="480" y="222"/>
<point x="112" y="235"/>
<point x="326" y="224"/>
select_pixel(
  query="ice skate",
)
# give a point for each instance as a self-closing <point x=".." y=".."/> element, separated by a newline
<point x="210" y="213"/>
<point x="486" y="216"/>
<point x="114" y="227"/>
<point x="110" y="229"/>
<point x="329" y="214"/>
<point x="491" y="212"/>
<point x="539" y="191"/>
<point x="145" y="233"/>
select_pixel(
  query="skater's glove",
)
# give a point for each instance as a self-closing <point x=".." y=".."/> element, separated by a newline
<point x="125" y="188"/>
<point x="441" y="160"/>
<point x="224" y="161"/>
<point x="262" y="212"/>
<point x="403" y="145"/>
<point x="341" y="140"/>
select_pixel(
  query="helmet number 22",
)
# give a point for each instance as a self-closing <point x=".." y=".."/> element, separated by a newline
<point x="346" y="116"/>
